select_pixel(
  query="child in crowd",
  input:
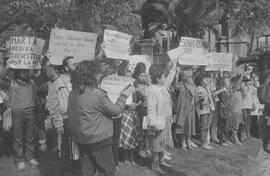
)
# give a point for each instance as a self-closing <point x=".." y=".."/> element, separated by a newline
<point x="205" y="106"/>
<point x="159" y="112"/>
<point x="257" y="111"/>
<point x="212" y="87"/>
<point x="23" y="103"/>
<point x="224" y="110"/>
<point x="185" y="117"/>
<point x="247" y="106"/>
<point x="236" y="107"/>
<point x="131" y="132"/>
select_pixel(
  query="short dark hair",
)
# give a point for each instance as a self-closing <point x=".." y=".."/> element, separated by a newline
<point x="156" y="71"/>
<point x="65" y="60"/>
<point x="199" y="79"/>
<point x="85" y="75"/>
<point x="139" y="69"/>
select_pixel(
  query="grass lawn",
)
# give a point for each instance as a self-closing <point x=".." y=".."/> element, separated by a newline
<point x="230" y="161"/>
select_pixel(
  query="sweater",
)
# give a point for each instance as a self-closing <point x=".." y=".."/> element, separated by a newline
<point x="23" y="96"/>
<point x="90" y="115"/>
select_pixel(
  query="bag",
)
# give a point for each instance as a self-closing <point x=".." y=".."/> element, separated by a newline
<point x="7" y="120"/>
<point x="264" y="94"/>
<point x="7" y="116"/>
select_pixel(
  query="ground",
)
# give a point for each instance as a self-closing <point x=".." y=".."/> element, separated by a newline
<point x="230" y="161"/>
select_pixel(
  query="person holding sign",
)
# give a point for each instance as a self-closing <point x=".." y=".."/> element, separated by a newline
<point x="204" y="107"/>
<point x="90" y="112"/>
<point x="23" y="106"/>
<point x="159" y="112"/>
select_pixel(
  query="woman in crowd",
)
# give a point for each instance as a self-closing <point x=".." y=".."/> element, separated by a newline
<point x="185" y="117"/>
<point x="90" y="113"/>
<point x="159" y="112"/>
<point x="204" y="104"/>
<point x="236" y="107"/>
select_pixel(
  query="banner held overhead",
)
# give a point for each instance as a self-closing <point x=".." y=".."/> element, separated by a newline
<point x="63" y="43"/>
<point x="25" y="52"/>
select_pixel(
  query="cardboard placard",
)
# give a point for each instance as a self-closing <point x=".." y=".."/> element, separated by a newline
<point x="219" y="62"/>
<point x="192" y="51"/>
<point x="24" y="52"/>
<point x="116" y="44"/>
<point x="114" y="85"/>
<point x="63" y="43"/>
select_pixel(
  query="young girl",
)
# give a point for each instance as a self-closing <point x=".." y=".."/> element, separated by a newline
<point x="236" y="107"/>
<point x="159" y="112"/>
<point x="247" y="106"/>
<point x="185" y="117"/>
<point x="204" y="104"/>
<point x="224" y="110"/>
<point x="130" y="130"/>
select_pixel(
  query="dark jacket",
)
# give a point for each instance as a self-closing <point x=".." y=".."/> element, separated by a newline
<point x="90" y="115"/>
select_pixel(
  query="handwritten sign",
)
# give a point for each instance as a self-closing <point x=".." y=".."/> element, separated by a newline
<point x="192" y="51"/>
<point x="116" y="44"/>
<point x="24" y="52"/>
<point x="134" y="59"/>
<point x="63" y="43"/>
<point x="175" y="53"/>
<point x="114" y="84"/>
<point x="219" y="61"/>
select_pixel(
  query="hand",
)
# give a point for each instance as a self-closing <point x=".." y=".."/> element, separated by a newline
<point x="130" y="90"/>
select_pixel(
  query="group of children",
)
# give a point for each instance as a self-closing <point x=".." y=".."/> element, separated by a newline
<point x="172" y="105"/>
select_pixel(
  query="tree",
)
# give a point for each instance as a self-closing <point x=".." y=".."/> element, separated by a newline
<point x="37" y="17"/>
<point x="252" y="18"/>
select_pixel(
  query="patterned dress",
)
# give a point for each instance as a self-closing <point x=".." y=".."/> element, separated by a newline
<point x="130" y="130"/>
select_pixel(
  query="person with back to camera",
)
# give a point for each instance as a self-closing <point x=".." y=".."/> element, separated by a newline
<point x="90" y="113"/>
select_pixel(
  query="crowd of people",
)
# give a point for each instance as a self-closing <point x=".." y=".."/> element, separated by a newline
<point x="63" y="109"/>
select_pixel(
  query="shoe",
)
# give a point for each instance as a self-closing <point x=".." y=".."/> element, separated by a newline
<point x="167" y="153"/>
<point x="34" y="162"/>
<point x="21" y="165"/>
<point x="43" y="147"/>
<point x="167" y="157"/>
<point x="215" y="140"/>
<point x="127" y="163"/>
<point x="142" y="154"/>
<point x="225" y="144"/>
<point x="133" y="163"/>
<point x="207" y="147"/>
<point x="238" y="143"/>
<point x="192" y="144"/>
<point x="163" y="163"/>
<point x="229" y="143"/>
<point x="158" y="170"/>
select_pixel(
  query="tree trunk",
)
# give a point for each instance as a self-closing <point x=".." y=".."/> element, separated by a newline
<point x="252" y="37"/>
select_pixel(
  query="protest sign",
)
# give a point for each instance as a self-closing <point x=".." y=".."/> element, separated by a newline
<point x="192" y="51"/>
<point x="219" y="61"/>
<point x="116" y="44"/>
<point x="63" y="43"/>
<point x="134" y="59"/>
<point x="114" y="84"/>
<point x="24" y="52"/>
<point x="175" y="53"/>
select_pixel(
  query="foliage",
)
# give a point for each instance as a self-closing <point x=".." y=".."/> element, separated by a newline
<point x="37" y="17"/>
